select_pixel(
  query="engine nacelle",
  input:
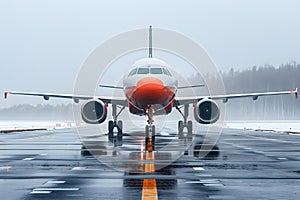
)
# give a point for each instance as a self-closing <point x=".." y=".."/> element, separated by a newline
<point x="206" y="111"/>
<point x="94" y="111"/>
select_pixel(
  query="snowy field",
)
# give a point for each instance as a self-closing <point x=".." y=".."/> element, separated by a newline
<point x="49" y="125"/>
<point x="279" y="126"/>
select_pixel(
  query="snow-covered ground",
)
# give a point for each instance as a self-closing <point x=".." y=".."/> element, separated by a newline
<point x="14" y="125"/>
<point x="280" y="126"/>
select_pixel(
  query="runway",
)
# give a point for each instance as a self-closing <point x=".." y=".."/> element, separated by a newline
<point x="242" y="165"/>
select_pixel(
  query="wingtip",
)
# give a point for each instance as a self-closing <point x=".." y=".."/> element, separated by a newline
<point x="6" y="93"/>
<point x="295" y="92"/>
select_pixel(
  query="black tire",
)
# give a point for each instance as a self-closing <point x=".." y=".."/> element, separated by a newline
<point x="110" y="129"/>
<point x="180" y="128"/>
<point x="85" y="151"/>
<point x="153" y="135"/>
<point x="153" y="130"/>
<point x="120" y="128"/>
<point x="119" y="140"/>
<point x="190" y="128"/>
<point x="147" y="131"/>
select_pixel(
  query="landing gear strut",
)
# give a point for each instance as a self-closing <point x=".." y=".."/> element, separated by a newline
<point x="150" y="130"/>
<point x="185" y="124"/>
<point x="115" y="123"/>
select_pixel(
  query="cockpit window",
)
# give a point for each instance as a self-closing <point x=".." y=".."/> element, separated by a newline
<point x="132" y="72"/>
<point x="151" y="70"/>
<point x="143" y="71"/>
<point x="166" y="72"/>
<point x="156" y="71"/>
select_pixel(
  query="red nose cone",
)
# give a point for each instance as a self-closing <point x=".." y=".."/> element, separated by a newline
<point x="150" y="90"/>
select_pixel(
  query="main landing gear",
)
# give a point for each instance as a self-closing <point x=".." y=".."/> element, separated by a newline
<point x="185" y="123"/>
<point x="112" y="124"/>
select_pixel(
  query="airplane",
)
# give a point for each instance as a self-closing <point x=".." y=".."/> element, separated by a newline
<point x="151" y="89"/>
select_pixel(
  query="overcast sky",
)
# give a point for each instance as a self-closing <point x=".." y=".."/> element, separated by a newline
<point x="44" y="43"/>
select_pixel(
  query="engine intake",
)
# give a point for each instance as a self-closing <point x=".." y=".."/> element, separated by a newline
<point x="94" y="111"/>
<point x="206" y="111"/>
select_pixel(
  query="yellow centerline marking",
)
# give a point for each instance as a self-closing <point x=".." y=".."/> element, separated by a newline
<point x="149" y="189"/>
<point x="149" y="185"/>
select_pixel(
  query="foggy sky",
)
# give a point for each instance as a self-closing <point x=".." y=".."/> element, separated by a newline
<point x="44" y="43"/>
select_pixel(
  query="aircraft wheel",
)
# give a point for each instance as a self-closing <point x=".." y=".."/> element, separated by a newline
<point x="153" y="130"/>
<point x="180" y="128"/>
<point x="147" y="131"/>
<point x="190" y="128"/>
<point x="85" y="151"/>
<point x="120" y="128"/>
<point x="110" y="129"/>
<point x="153" y="134"/>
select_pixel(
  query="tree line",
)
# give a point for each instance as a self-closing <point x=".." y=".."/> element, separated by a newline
<point x="261" y="79"/>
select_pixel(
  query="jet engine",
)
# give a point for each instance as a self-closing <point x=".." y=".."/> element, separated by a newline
<point x="94" y="111"/>
<point x="206" y="111"/>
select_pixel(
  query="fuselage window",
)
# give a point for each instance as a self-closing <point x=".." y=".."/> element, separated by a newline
<point x="155" y="71"/>
<point x="132" y="72"/>
<point x="143" y="71"/>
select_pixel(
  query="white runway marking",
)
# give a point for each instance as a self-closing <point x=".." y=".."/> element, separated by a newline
<point x="209" y="181"/>
<point x="56" y="182"/>
<point x="79" y="168"/>
<point x="203" y="175"/>
<point x="220" y="197"/>
<point x="206" y="181"/>
<point x="192" y="182"/>
<point x="27" y="159"/>
<point x="198" y="168"/>
<point x="85" y="169"/>
<point x="282" y="158"/>
<point x="40" y="192"/>
<point x="213" y="184"/>
<point x="56" y="189"/>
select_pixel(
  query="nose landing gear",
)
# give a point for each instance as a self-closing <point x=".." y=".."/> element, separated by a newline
<point x="150" y="130"/>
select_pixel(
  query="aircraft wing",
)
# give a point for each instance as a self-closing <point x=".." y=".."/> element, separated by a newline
<point x="225" y="98"/>
<point x="76" y="98"/>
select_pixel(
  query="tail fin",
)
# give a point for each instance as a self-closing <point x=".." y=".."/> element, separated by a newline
<point x="150" y="41"/>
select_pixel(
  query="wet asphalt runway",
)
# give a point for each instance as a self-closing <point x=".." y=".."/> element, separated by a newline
<point x="242" y="165"/>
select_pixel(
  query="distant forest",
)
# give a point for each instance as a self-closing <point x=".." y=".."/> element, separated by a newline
<point x="261" y="79"/>
<point x="37" y="112"/>
<point x="255" y="79"/>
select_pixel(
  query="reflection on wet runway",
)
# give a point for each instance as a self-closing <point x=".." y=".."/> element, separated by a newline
<point x="56" y="165"/>
<point x="133" y="151"/>
<point x="146" y="160"/>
